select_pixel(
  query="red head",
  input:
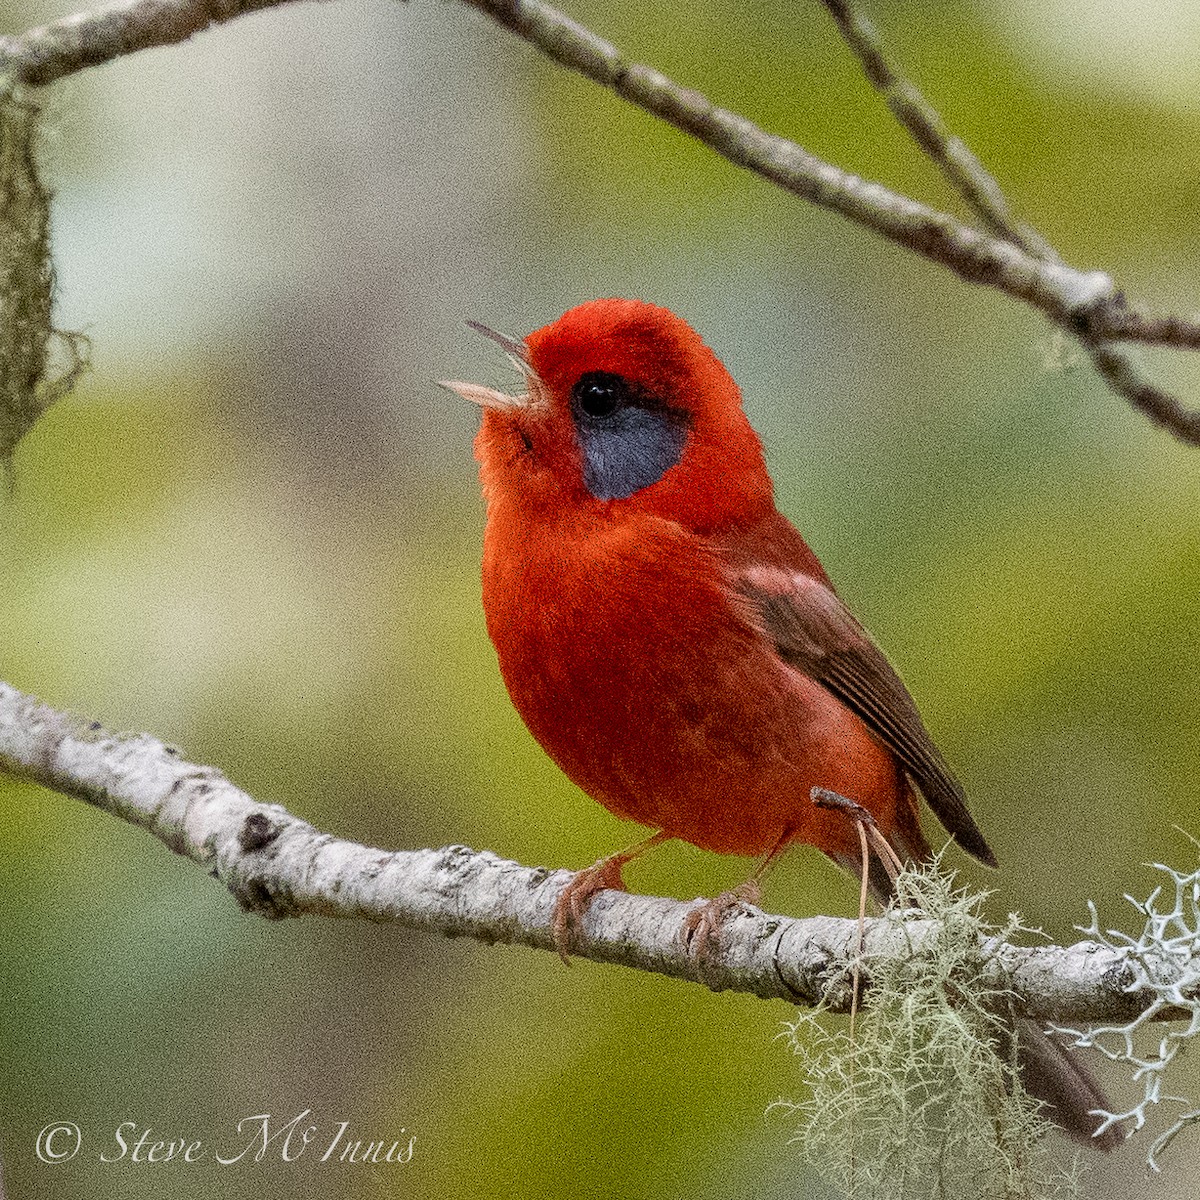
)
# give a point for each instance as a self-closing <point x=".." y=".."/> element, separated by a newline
<point x="627" y="410"/>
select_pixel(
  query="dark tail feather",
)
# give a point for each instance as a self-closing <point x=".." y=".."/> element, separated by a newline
<point x="1053" y="1075"/>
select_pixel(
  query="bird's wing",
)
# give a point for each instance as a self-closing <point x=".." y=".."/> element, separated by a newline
<point x="813" y="631"/>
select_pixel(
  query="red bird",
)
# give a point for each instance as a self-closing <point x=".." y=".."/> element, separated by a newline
<point x="669" y="637"/>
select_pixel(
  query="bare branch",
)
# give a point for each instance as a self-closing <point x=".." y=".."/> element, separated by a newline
<point x="64" y="46"/>
<point x="1118" y="321"/>
<point x="1019" y="262"/>
<point x="1126" y="380"/>
<point x="1013" y="258"/>
<point x="958" y="163"/>
<point x="1059" y="291"/>
<point x="99" y="35"/>
<point x="277" y="865"/>
<point x="1093" y="325"/>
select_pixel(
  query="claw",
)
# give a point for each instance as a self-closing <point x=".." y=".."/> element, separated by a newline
<point x="603" y="874"/>
<point x="573" y="900"/>
<point x="701" y="928"/>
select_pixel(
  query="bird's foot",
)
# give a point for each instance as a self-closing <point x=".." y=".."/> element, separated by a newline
<point x="573" y="900"/>
<point x="702" y="926"/>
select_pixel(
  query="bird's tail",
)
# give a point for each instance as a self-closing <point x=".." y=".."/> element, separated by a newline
<point x="1071" y="1095"/>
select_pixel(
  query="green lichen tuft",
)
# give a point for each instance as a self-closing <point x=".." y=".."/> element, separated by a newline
<point x="925" y="1098"/>
<point x="30" y="378"/>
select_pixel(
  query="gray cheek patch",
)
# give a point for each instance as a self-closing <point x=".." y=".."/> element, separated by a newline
<point x="630" y="449"/>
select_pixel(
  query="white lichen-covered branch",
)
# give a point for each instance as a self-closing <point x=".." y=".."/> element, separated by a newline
<point x="278" y="865"/>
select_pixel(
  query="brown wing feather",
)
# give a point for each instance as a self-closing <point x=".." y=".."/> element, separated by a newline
<point x="815" y="632"/>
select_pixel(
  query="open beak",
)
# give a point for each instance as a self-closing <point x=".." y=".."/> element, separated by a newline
<point x="517" y="350"/>
<point x="518" y="355"/>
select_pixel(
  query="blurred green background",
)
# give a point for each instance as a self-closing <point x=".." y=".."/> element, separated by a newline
<point x="254" y="530"/>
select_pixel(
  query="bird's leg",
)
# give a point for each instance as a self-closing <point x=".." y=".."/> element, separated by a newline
<point x="703" y="923"/>
<point x="604" y="873"/>
<point x="868" y="833"/>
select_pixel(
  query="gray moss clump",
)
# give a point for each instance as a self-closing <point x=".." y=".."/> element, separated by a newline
<point x="29" y="381"/>
<point x="924" y="1097"/>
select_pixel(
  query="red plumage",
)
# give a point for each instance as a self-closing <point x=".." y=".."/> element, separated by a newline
<point x="620" y="634"/>
<point x="670" y="639"/>
<point x="629" y="658"/>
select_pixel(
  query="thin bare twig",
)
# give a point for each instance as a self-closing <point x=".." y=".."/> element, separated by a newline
<point x="1018" y="261"/>
<point x="1117" y="320"/>
<point x="64" y="46"/>
<point x="1126" y="380"/>
<point x="957" y="161"/>
<point x="1057" y="290"/>
<point x="87" y="39"/>
<point x="1094" y="325"/>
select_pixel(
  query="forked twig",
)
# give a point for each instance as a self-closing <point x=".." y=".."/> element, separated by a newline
<point x="1095" y="325"/>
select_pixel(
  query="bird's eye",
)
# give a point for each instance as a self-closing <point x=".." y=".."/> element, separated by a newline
<point x="599" y="394"/>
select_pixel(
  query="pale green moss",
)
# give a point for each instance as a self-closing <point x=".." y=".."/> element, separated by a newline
<point x="922" y="1100"/>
